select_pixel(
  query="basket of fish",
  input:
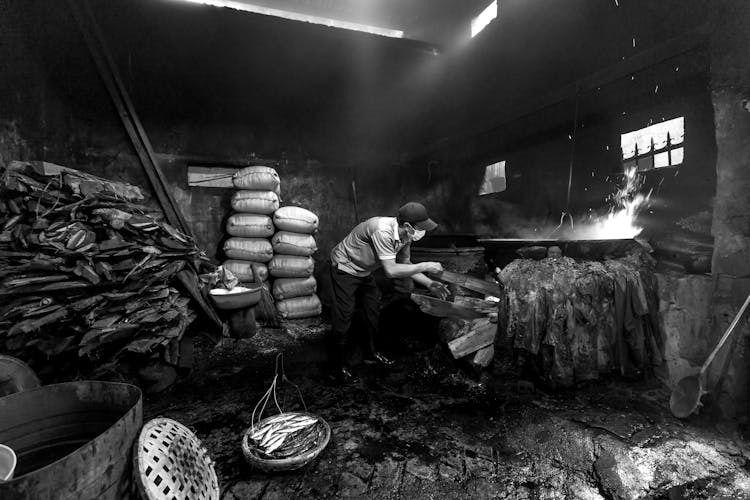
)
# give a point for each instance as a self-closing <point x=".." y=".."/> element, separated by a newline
<point x="285" y="441"/>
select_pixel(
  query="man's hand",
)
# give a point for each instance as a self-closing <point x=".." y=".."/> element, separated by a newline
<point x="432" y="267"/>
<point x="439" y="290"/>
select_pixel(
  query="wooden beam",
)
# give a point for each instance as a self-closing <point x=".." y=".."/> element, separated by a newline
<point x="442" y="308"/>
<point x="215" y="177"/>
<point x="84" y="17"/>
<point x="215" y="161"/>
<point x="639" y="62"/>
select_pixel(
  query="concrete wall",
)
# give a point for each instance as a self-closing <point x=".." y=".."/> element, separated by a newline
<point x="695" y="311"/>
<point x="266" y="94"/>
<point x="730" y="73"/>
<point x="229" y="86"/>
<point x="685" y="310"/>
<point x="212" y="82"/>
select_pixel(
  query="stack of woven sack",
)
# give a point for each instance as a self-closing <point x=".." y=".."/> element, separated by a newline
<point x="272" y="241"/>
<point x="292" y="265"/>
<point x="251" y="226"/>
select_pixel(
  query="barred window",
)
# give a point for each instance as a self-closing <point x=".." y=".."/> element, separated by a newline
<point x="657" y="146"/>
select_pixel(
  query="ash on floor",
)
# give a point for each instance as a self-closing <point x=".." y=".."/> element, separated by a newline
<point x="425" y="430"/>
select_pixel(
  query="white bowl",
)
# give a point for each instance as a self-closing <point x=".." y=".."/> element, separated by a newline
<point x="237" y="298"/>
<point x="7" y="463"/>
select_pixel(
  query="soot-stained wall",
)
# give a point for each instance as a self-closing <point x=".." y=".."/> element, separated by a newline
<point x="211" y="83"/>
<point x="678" y="214"/>
<point x="218" y="83"/>
<point x="496" y="82"/>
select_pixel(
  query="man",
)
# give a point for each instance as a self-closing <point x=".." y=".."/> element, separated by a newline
<point x="377" y="242"/>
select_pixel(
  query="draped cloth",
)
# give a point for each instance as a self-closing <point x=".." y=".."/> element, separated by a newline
<point x="578" y="320"/>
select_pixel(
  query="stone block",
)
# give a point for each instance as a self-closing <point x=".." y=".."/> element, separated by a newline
<point x="479" y="467"/>
<point x="684" y="317"/>
<point x="277" y="490"/>
<point x="728" y="375"/>
<point x="386" y="478"/>
<point x="484" y="488"/>
<point x="418" y="468"/>
<point x="360" y="468"/>
<point x="451" y="468"/>
<point x="411" y="486"/>
<point x="351" y="485"/>
<point x="618" y="476"/>
<point x="246" y="490"/>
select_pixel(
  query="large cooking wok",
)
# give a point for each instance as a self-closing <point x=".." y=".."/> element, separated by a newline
<point x="686" y="396"/>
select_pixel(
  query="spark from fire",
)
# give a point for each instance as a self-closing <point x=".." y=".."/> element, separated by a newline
<point x="625" y="205"/>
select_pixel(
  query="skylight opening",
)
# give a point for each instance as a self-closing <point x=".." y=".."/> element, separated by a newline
<point x="482" y="20"/>
<point x="295" y="16"/>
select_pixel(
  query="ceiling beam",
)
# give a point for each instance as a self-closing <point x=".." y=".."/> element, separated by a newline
<point x="297" y="16"/>
<point x="639" y="62"/>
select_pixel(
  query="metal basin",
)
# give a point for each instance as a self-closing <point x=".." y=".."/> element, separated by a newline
<point x="72" y="440"/>
<point x="502" y="251"/>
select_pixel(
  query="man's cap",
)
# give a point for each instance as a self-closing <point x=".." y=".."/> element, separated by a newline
<point x="416" y="214"/>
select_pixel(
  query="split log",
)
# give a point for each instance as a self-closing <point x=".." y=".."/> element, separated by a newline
<point x="479" y="305"/>
<point x="468" y="325"/>
<point x="451" y="328"/>
<point x="483" y="357"/>
<point x="443" y="308"/>
<point x="475" y="335"/>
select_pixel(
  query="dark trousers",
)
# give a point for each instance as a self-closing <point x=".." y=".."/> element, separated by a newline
<point x="348" y="293"/>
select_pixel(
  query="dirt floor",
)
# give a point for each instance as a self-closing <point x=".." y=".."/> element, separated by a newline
<point x="427" y="429"/>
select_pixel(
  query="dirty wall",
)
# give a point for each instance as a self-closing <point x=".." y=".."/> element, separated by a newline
<point x="52" y="99"/>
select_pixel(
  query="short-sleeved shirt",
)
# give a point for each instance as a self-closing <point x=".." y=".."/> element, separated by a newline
<point x="368" y="244"/>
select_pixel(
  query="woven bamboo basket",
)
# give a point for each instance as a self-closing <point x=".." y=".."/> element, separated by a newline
<point x="289" y="463"/>
<point x="172" y="464"/>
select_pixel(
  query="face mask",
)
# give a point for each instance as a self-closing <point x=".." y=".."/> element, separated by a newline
<point x="414" y="233"/>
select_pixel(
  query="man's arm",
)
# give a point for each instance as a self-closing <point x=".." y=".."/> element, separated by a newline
<point x="394" y="269"/>
<point x="437" y="288"/>
<point x="422" y="280"/>
<point x="397" y="264"/>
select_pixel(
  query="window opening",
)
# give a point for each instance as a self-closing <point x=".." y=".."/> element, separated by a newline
<point x="656" y="146"/>
<point x="494" y="179"/>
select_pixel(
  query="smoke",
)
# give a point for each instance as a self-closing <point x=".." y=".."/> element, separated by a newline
<point x="618" y="220"/>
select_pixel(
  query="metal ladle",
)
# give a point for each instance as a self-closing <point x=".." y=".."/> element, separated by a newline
<point x="686" y="396"/>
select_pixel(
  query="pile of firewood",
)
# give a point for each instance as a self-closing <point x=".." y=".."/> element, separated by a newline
<point x="468" y="325"/>
<point x="92" y="283"/>
<point x="471" y="339"/>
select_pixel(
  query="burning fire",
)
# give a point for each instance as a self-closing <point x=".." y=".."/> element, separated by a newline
<point x="620" y="222"/>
